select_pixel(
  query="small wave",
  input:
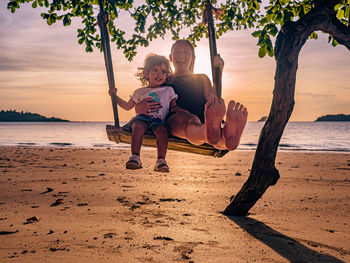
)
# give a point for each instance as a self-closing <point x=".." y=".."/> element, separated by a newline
<point x="249" y="144"/>
<point x="101" y="145"/>
<point x="26" y="143"/>
<point x="285" y="145"/>
<point x="61" y="143"/>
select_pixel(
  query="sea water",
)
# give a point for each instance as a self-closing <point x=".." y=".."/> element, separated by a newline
<point x="297" y="136"/>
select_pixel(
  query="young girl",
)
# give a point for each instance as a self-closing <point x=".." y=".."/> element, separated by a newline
<point x="202" y="120"/>
<point x="153" y="76"/>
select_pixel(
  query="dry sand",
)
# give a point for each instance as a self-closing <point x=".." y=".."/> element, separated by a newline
<point x="110" y="214"/>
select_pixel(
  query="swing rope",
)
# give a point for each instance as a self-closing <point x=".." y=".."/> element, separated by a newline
<point x="209" y="20"/>
<point x="102" y="19"/>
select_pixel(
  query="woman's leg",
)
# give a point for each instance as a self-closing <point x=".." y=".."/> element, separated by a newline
<point x="187" y="126"/>
<point x="214" y="113"/>
<point x="236" y="119"/>
<point x="161" y="133"/>
<point x="138" y="129"/>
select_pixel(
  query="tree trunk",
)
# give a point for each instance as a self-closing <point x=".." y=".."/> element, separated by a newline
<point x="289" y="42"/>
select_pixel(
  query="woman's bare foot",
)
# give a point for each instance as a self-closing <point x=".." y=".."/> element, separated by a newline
<point x="214" y="112"/>
<point x="236" y="118"/>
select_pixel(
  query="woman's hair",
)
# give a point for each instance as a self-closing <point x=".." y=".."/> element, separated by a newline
<point x="192" y="48"/>
<point x="152" y="60"/>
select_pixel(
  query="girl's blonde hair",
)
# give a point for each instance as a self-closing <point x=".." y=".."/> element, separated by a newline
<point x="152" y="60"/>
<point x="192" y="48"/>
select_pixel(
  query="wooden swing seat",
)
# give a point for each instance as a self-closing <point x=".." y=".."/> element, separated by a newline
<point x="122" y="135"/>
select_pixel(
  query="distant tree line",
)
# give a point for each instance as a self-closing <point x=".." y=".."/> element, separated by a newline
<point x="337" y="117"/>
<point x="13" y="115"/>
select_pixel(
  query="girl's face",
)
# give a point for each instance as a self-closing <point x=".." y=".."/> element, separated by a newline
<point x="181" y="56"/>
<point x="157" y="75"/>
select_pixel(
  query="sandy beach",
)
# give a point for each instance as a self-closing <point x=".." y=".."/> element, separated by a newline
<point x="86" y="207"/>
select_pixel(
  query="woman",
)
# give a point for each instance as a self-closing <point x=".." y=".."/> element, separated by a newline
<point x="198" y="117"/>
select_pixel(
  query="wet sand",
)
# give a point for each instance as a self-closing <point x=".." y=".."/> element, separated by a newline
<point x="88" y="208"/>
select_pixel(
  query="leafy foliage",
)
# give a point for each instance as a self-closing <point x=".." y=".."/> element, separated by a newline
<point x="152" y="19"/>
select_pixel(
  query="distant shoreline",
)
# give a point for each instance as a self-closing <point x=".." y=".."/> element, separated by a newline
<point x="335" y="117"/>
<point x="14" y="116"/>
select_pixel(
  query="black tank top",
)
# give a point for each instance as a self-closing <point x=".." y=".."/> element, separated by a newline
<point x="190" y="91"/>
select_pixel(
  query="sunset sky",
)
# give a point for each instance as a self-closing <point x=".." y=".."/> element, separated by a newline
<point x="44" y="70"/>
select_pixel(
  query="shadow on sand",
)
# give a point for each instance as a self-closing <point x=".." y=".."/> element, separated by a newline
<point x="287" y="247"/>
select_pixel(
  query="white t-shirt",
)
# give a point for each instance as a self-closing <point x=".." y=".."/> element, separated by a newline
<point x="163" y="95"/>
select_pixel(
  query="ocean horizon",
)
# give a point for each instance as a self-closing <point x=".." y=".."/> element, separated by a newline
<point x="297" y="136"/>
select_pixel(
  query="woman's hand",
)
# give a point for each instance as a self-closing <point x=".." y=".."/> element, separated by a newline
<point x="219" y="62"/>
<point x="147" y="106"/>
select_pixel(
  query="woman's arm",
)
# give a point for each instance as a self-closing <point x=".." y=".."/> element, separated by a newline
<point x="147" y="106"/>
<point x="175" y="108"/>
<point x="209" y="90"/>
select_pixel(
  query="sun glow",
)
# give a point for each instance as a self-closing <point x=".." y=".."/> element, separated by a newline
<point x="202" y="64"/>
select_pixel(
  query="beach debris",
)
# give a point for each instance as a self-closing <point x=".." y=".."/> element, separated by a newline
<point x="82" y="204"/>
<point x="133" y="206"/>
<point x="47" y="191"/>
<point x="8" y="232"/>
<point x="32" y="220"/>
<point x="231" y="198"/>
<point x="171" y="200"/>
<point x="109" y="235"/>
<point x="50" y="232"/>
<point x="122" y="200"/>
<point x="34" y="206"/>
<point x="59" y="201"/>
<point x="53" y="249"/>
<point x="238" y="174"/>
<point x="26" y="190"/>
<point x="163" y="238"/>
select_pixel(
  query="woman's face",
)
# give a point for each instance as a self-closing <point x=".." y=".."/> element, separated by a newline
<point x="181" y="56"/>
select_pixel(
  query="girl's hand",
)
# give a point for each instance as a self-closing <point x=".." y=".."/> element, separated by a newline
<point x="112" y="91"/>
<point x="147" y="106"/>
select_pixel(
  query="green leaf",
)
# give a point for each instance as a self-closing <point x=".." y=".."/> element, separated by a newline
<point x="257" y="33"/>
<point x="334" y="42"/>
<point x="35" y="4"/>
<point x="338" y="6"/>
<point x="270" y="50"/>
<point x="273" y="30"/>
<point x="313" y="35"/>
<point x="66" y="20"/>
<point x="262" y="52"/>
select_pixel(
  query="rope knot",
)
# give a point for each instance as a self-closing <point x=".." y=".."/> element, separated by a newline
<point x="208" y="10"/>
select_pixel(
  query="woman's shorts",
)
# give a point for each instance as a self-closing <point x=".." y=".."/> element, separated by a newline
<point x="151" y="122"/>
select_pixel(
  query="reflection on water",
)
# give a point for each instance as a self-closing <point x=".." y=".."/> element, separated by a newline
<point x="311" y="136"/>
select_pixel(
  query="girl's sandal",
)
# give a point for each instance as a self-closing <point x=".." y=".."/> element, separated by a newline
<point x="134" y="162"/>
<point x="161" y="166"/>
